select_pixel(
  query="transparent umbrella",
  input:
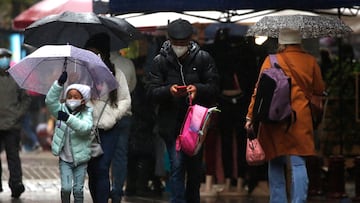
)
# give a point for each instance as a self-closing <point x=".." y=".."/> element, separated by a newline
<point x="38" y="70"/>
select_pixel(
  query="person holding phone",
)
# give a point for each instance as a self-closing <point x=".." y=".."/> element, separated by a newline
<point x="181" y="71"/>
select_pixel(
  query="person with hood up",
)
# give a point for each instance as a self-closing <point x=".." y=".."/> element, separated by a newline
<point x="71" y="140"/>
<point x="181" y="62"/>
<point x="289" y="148"/>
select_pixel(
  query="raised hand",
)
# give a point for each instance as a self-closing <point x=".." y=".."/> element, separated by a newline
<point x="62" y="79"/>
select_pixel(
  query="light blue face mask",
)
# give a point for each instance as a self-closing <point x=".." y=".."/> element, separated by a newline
<point x="4" y="62"/>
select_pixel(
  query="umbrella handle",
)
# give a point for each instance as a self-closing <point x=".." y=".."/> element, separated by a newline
<point x="65" y="63"/>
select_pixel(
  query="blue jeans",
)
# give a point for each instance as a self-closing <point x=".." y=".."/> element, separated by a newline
<point x="99" y="167"/>
<point x="277" y="181"/>
<point x="72" y="178"/>
<point x="181" y="164"/>
<point x="120" y="158"/>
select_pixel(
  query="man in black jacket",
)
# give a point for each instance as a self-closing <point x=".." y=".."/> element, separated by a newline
<point x="181" y="72"/>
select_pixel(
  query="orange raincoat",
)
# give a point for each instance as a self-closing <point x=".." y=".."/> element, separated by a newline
<point x="299" y="139"/>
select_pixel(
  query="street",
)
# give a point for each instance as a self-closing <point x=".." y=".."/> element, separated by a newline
<point x="42" y="183"/>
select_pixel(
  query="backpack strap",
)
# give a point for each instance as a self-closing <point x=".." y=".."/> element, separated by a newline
<point x="273" y="60"/>
<point x="275" y="64"/>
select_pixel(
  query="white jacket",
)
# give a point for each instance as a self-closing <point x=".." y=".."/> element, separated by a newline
<point x="126" y="66"/>
<point x="111" y="114"/>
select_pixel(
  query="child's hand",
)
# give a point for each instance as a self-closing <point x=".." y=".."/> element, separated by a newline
<point x="62" y="116"/>
<point x="62" y="79"/>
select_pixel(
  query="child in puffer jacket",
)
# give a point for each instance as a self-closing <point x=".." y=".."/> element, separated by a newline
<point x="71" y="141"/>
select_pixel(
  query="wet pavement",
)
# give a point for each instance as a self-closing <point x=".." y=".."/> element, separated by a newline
<point x="42" y="185"/>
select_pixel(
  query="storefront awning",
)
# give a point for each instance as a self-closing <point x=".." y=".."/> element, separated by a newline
<point x="132" y="6"/>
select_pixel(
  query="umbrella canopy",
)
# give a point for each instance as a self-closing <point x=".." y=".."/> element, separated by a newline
<point x="76" y="28"/>
<point x="309" y="26"/>
<point x="49" y="7"/>
<point x="38" y="71"/>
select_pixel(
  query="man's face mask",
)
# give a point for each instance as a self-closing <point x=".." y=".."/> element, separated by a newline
<point x="179" y="50"/>
<point x="4" y="62"/>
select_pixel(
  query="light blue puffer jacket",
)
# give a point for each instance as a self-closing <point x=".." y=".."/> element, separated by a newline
<point x="78" y="126"/>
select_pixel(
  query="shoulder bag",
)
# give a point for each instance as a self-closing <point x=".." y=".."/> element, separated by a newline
<point x="96" y="149"/>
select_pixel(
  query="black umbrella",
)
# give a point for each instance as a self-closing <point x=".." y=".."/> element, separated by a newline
<point x="76" y="28"/>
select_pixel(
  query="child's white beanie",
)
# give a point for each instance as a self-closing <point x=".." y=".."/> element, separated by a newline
<point x="83" y="89"/>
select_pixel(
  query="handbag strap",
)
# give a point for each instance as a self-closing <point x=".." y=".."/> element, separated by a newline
<point x="295" y="76"/>
<point x="102" y="111"/>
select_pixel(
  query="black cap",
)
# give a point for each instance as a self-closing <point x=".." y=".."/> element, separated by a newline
<point x="5" y="52"/>
<point x="180" y="29"/>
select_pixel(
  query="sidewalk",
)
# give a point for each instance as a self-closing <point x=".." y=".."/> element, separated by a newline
<point x="42" y="185"/>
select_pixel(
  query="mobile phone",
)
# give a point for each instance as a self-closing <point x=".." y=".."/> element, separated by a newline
<point x="181" y="88"/>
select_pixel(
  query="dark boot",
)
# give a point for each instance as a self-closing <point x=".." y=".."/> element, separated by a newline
<point x="16" y="189"/>
<point x="65" y="196"/>
<point x="313" y="166"/>
<point x="130" y="189"/>
<point x="336" y="176"/>
<point x="157" y="186"/>
<point x="357" y="179"/>
<point x="143" y="177"/>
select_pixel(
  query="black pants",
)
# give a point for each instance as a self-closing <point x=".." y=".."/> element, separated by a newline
<point x="10" y="140"/>
<point x="232" y="120"/>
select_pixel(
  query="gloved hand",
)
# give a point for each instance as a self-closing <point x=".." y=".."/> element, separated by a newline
<point x="62" y="78"/>
<point x="62" y="116"/>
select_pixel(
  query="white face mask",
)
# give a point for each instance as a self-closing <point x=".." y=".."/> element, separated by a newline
<point x="179" y="50"/>
<point x="73" y="103"/>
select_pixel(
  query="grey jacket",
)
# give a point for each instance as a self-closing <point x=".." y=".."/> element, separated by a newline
<point x="14" y="102"/>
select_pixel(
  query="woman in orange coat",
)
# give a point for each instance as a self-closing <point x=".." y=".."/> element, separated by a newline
<point x="290" y="146"/>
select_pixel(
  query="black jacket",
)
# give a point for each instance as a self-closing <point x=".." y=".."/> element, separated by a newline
<point x="198" y="69"/>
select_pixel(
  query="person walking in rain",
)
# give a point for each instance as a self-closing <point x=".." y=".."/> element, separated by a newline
<point x="117" y="105"/>
<point x="14" y="103"/>
<point x="120" y="158"/>
<point x="181" y="63"/>
<point x="290" y="147"/>
<point x="71" y="140"/>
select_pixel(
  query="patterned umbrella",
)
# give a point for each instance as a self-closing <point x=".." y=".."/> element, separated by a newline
<point x="309" y="26"/>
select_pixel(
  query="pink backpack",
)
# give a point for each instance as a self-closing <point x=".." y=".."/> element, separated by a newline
<point x="194" y="129"/>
